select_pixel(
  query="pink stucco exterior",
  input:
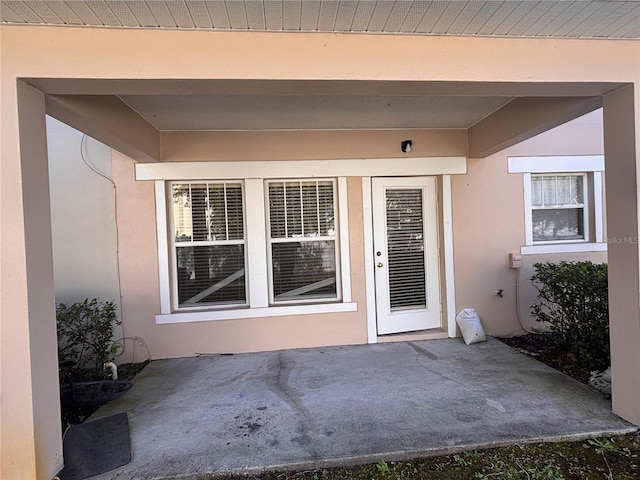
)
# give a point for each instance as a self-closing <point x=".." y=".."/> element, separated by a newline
<point x="486" y="202"/>
<point x="488" y="223"/>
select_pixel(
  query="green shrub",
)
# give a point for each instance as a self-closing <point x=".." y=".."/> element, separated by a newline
<point x="573" y="301"/>
<point x="85" y="331"/>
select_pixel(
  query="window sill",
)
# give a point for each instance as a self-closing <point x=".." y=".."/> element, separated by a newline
<point x="563" y="248"/>
<point x="214" y="315"/>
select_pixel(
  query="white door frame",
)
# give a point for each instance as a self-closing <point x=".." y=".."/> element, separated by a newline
<point x="447" y="276"/>
<point x="414" y="317"/>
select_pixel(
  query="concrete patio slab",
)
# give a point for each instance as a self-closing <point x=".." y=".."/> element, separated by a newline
<point x="333" y="406"/>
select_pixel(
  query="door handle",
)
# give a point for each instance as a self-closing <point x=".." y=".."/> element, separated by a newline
<point x="379" y="264"/>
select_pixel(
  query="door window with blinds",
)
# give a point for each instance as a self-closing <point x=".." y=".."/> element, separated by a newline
<point x="302" y="241"/>
<point x="208" y="244"/>
<point x="405" y="249"/>
<point x="558" y="207"/>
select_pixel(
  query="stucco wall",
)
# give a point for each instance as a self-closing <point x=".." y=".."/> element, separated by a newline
<point x="488" y="218"/>
<point x="31" y="445"/>
<point x="309" y="145"/>
<point x="140" y="288"/>
<point x="488" y="223"/>
<point x="83" y="221"/>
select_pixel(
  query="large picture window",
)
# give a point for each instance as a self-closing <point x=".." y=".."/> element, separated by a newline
<point x="302" y="240"/>
<point x="209" y="244"/>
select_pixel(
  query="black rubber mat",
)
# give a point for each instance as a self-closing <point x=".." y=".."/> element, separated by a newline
<point x="96" y="447"/>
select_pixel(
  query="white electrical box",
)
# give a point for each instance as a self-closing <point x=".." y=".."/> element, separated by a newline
<point x="515" y="260"/>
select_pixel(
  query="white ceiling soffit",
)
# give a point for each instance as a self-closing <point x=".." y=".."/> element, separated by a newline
<point x="290" y="112"/>
<point x="509" y="18"/>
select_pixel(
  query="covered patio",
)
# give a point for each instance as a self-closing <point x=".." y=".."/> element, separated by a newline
<point x="322" y="407"/>
<point x="83" y="75"/>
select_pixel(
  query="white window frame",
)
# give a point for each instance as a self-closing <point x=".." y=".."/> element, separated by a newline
<point x="162" y="172"/>
<point x="256" y="262"/>
<point x="174" y="245"/>
<point x="529" y="208"/>
<point x="270" y="242"/>
<point x="559" y="165"/>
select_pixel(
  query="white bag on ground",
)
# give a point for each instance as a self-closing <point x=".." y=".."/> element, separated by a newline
<point x="470" y="326"/>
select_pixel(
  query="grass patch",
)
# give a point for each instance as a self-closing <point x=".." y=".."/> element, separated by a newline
<point x="600" y="458"/>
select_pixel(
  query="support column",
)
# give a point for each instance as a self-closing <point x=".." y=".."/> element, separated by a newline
<point x="31" y="436"/>
<point x="621" y="158"/>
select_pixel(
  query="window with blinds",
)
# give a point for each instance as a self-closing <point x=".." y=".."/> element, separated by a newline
<point x="209" y="243"/>
<point x="405" y="247"/>
<point x="302" y="240"/>
<point x="558" y="207"/>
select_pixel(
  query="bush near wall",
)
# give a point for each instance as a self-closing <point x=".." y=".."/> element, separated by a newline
<point x="573" y="303"/>
<point x="85" y="331"/>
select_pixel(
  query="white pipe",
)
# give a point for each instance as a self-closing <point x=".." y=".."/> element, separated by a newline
<point x="114" y="369"/>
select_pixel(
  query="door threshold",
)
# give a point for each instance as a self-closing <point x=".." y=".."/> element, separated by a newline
<point x="431" y="334"/>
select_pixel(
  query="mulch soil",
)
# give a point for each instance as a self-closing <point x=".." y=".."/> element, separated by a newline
<point x="546" y="349"/>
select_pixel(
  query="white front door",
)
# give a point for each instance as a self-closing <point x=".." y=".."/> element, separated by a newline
<point x="405" y="238"/>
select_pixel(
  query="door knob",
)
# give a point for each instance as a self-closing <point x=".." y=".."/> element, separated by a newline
<point x="379" y="264"/>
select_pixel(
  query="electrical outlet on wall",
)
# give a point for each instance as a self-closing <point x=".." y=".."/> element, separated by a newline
<point x="515" y="260"/>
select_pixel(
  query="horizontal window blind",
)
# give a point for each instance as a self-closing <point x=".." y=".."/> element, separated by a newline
<point x="208" y="222"/>
<point x="302" y="237"/>
<point x="301" y="209"/>
<point x="208" y="212"/>
<point x="405" y="247"/>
